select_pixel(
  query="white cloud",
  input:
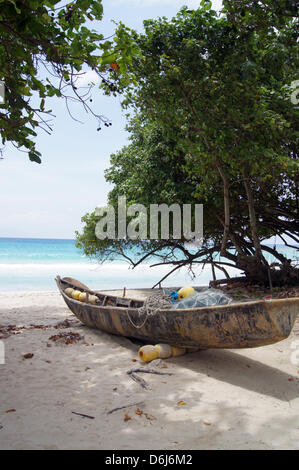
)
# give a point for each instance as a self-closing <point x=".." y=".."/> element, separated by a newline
<point x="217" y="4"/>
<point x="87" y="78"/>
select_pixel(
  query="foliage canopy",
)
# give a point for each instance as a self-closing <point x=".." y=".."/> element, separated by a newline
<point x="213" y="124"/>
<point x="44" y="48"/>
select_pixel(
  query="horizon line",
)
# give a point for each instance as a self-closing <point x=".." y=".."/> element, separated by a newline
<point x="74" y="239"/>
<point x="36" y="238"/>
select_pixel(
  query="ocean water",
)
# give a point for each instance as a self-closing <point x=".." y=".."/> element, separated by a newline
<point x="32" y="265"/>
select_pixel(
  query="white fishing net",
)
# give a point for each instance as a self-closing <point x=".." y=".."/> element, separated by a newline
<point x="152" y="305"/>
<point x="163" y="300"/>
<point x="205" y="298"/>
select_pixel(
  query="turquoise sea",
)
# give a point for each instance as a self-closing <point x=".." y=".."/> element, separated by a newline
<point x="28" y="264"/>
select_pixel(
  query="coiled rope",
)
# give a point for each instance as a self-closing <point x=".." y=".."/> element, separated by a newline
<point x="152" y="305"/>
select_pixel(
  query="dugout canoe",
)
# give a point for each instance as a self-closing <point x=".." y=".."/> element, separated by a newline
<point x="237" y="325"/>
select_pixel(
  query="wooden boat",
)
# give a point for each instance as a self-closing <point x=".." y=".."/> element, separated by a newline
<point x="236" y="325"/>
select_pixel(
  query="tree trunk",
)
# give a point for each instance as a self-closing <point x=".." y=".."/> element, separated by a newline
<point x="226" y="207"/>
<point x="252" y="218"/>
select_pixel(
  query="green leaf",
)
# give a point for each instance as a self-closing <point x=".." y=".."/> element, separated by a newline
<point x="34" y="156"/>
<point x="206" y="4"/>
<point x="15" y="6"/>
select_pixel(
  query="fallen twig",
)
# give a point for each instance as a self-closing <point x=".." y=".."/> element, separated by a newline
<point x="83" y="415"/>
<point x="125" y="406"/>
<point x="139" y="380"/>
<point x="143" y="383"/>
<point x="148" y="371"/>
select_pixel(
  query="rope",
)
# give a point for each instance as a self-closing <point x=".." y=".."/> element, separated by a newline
<point x="151" y="306"/>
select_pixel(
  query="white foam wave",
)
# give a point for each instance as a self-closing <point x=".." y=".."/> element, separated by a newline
<point x="108" y="276"/>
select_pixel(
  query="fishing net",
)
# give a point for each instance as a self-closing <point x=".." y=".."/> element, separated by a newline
<point x="152" y="305"/>
<point x="163" y="300"/>
<point x="156" y="302"/>
<point x="205" y="298"/>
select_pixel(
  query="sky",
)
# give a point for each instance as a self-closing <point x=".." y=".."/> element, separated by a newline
<point x="48" y="200"/>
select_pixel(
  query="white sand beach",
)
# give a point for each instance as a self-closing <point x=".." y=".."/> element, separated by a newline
<point x="230" y="399"/>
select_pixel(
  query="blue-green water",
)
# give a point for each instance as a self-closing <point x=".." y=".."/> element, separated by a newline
<point x="28" y="264"/>
<point x="39" y="251"/>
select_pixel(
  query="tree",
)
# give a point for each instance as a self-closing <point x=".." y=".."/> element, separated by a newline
<point x="221" y="96"/>
<point x="262" y="15"/>
<point x="44" y="48"/>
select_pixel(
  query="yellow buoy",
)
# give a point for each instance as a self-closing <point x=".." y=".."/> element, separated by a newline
<point x="164" y="350"/>
<point x="92" y="299"/>
<point x="76" y="294"/>
<point x="178" y="351"/>
<point x="68" y="291"/>
<point x="149" y="352"/>
<point x="83" y="297"/>
<point x="185" y="292"/>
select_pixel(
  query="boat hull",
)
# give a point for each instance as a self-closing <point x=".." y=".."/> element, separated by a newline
<point x="240" y="325"/>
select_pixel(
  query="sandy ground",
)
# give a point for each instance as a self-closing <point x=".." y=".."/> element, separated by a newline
<point x="245" y="399"/>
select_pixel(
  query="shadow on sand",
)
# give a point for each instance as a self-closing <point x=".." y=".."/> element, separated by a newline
<point x="241" y="371"/>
